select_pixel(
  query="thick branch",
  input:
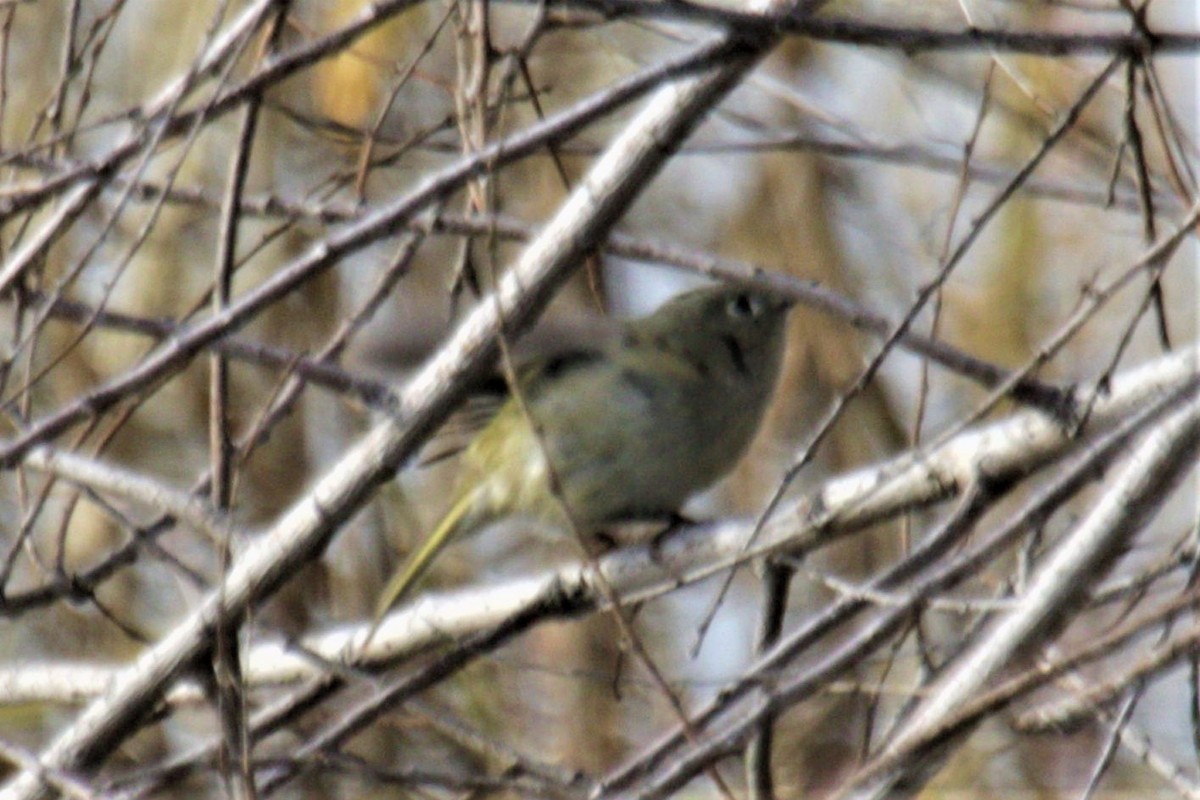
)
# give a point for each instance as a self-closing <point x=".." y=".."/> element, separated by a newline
<point x="302" y="533"/>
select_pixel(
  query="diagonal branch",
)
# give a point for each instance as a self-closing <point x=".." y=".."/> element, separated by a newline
<point x="302" y="532"/>
<point x="1148" y="478"/>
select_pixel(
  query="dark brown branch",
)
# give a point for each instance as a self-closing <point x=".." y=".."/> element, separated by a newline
<point x="909" y="39"/>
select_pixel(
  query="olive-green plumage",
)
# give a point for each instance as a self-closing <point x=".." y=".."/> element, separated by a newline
<point x="632" y="429"/>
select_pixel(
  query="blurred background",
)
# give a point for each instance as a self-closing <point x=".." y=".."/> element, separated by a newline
<point x="861" y="167"/>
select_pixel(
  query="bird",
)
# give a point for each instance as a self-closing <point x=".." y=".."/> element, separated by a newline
<point x="624" y="431"/>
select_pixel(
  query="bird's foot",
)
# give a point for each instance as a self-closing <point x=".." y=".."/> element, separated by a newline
<point x="675" y="522"/>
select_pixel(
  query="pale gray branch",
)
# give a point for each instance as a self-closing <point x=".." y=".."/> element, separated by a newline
<point x="302" y="533"/>
<point x="1148" y="477"/>
<point x="115" y="481"/>
<point x="1017" y="444"/>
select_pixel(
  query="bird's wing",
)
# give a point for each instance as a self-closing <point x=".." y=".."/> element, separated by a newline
<point x="487" y="396"/>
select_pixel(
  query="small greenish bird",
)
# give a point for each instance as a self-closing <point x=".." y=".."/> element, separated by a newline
<point x="628" y="431"/>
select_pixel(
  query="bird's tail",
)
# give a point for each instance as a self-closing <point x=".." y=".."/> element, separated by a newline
<point x="405" y="580"/>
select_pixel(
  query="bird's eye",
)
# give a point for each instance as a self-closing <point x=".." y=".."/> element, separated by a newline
<point x="743" y="305"/>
